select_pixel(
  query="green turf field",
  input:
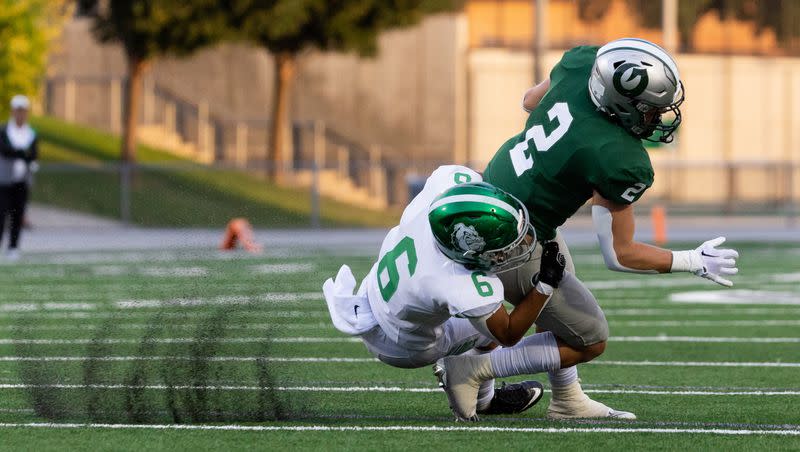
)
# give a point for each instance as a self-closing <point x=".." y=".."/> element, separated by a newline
<point x="143" y="340"/>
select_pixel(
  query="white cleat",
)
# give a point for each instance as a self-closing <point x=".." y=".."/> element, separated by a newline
<point x="572" y="403"/>
<point x="461" y="377"/>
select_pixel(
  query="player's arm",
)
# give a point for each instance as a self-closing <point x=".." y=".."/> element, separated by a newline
<point x="615" y="227"/>
<point x="534" y="95"/>
<point x="508" y="328"/>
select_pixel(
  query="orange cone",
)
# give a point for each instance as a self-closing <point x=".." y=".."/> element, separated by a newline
<point x="658" y="216"/>
<point x="239" y="231"/>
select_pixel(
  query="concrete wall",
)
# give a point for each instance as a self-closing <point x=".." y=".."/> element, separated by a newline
<point x="427" y="96"/>
<point x="403" y="100"/>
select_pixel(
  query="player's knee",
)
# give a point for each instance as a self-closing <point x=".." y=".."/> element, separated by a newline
<point x="593" y="351"/>
<point x="599" y="330"/>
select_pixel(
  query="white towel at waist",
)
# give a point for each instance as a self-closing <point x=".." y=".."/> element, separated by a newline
<point x="350" y="313"/>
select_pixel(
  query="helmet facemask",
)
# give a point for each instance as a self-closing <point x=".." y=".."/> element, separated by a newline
<point x="666" y="120"/>
<point x="512" y="256"/>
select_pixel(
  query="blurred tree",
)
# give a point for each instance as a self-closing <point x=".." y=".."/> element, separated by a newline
<point x="592" y="10"/>
<point x="27" y="29"/>
<point x="779" y="15"/>
<point x="287" y="27"/>
<point x="147" y="29"/>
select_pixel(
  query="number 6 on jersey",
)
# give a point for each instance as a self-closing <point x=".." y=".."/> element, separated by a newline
<point x="388" y="274"/>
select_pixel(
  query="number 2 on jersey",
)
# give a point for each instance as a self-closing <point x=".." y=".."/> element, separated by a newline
<point x="388" y="266"/>
<point x="520" y="155"/>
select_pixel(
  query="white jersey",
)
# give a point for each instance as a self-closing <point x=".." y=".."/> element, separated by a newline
<point x="413" y="288"/>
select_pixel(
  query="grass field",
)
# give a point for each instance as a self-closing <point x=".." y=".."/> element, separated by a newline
<point x="144" y="339"/>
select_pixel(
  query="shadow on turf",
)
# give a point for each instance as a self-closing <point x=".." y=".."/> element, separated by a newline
<point x="188" y="380"/>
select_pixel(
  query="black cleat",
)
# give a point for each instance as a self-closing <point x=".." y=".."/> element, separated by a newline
<point x="514" y="398"/>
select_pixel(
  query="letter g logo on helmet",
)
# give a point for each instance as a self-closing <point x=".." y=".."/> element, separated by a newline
<point x="630" y="79"/>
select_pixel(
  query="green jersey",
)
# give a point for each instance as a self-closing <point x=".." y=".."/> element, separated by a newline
<point x="567" y="150"/>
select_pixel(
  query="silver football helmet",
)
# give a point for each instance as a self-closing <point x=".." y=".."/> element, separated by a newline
<point x="637" y="84"/>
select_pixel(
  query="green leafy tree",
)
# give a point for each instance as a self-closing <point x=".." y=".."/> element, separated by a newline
<point x="147" y="29"/>
<point x="285" y="28"/>
<point x="27" y="30"/>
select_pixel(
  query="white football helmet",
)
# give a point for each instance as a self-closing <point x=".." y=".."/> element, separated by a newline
<point x="637" y="84"/>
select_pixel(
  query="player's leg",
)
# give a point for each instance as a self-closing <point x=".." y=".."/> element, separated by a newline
<point x="566" y="376"/>
<point x="461" y="376"/>
<point x="388" y="351"/>
<point x="19" y="199"/>
<point x="574" y="316"/>
<point x="459" y="337"/>
<point x="4" y="203"/>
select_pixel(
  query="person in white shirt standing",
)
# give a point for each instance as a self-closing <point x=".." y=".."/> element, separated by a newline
<point x="18" y="152"/>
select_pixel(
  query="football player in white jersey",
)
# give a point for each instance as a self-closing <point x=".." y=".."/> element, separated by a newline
<point x="434" y="294"/>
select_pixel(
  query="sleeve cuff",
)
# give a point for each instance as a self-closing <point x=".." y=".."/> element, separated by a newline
<point x="686" y="261"/>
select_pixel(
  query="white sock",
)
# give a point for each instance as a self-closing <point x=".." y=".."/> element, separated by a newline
<point x="531" y="355"/>
<point x="486" y="390"/>
<point x="485" y="394"/>
<point x="563" y="377"/>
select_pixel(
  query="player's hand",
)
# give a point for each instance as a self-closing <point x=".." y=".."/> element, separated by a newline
<point x="552" y="268"/>
<point x="717" y="262"/>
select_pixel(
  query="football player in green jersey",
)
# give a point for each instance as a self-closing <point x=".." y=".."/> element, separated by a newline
<point x="582" y="141"/>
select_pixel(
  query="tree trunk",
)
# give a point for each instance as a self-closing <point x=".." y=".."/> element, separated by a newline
<point x="281" y="118"/>
<point x="133" y="90"/>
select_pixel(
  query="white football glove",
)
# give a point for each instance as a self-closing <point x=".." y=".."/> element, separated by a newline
<point x="708" y="261"/>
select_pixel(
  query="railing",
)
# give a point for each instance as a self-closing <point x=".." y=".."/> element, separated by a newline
<point x="131" y="193"/>
<point x="328" y="163"/>
<point x="194" y="130"/>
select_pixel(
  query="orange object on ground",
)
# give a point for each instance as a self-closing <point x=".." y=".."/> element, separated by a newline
<point x="659" y="217"/>
<point x="239" y="231"/>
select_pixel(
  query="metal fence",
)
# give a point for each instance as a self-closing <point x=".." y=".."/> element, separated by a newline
<point x="199" y="195"/>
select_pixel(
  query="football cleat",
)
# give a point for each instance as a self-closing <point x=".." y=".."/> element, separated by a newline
<point x="514" y="398"/>
<point x="460" y="377"/>
<point x="571" y="402"/>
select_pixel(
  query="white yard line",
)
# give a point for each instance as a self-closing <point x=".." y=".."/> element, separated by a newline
<point x="382" y="389"/>
<point x="322" y="313"/>
<point x="705" y="339"/>
<point x="737" y="297"/>
<point x="270" y="269"/>
<point x="270" y="297"/>
<point x="644" y="283"/>
<point x="704" y="323"/>
<point x="315" y="359"/>
<point x="695" y="363"/>
<point x="689" y="312"/>
<point x="49" y="306"/>
<point x="185" y="326"/>
<point x="183" y="340"/>
<point x="145" y="314"/>
<point x="402" y="428"/>
<point x="328" y="325"/>
<point x="356" y="340"/>
<point x="191" y="358"/>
